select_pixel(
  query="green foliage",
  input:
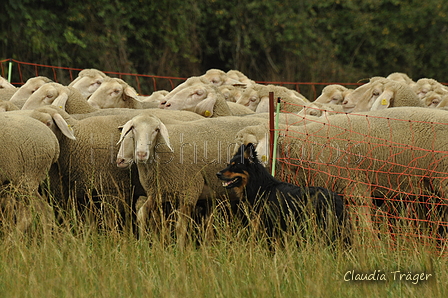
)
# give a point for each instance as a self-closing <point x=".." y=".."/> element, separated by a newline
<point x="310" y="40"/>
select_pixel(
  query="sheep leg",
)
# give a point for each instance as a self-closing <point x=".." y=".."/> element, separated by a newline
<point x="361" y="207"/>
<point x="184" y="217"/>
<point x="144" y="206"/>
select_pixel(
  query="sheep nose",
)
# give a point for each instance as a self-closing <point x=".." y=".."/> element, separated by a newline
<point x="141" y="155"/>
<point x="167" y="105"/>
<point x="162" y="104"/>
<point x="345" y="102"/>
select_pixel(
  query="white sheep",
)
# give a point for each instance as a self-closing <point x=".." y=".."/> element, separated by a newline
<point x="87" y="170"/>
<point x="256" y="98"/>
<point x="63" y="96"/>
<point x="380" y="93"/>
<point x="333" y="94"/>
<point x="87" y="81"/>
<point x="115" y="93"/>
<point x="176" y="161"/>
<point x="28" y="150"/>
<point x="26" y="90"/>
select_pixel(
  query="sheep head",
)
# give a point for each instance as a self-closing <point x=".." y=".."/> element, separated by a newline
<point x="436" y="98"/>
<point x="114" y="93"/>
<point x="199" y="98"/>
<point x="333" y="94"/>
<point x="47" y="94"/>
<point x="88" y="81"/>
<point x="249" y="98"/>
<point x="29" y="88"/>
<point x="425" y="85"/>
<point x="147" y="131"/>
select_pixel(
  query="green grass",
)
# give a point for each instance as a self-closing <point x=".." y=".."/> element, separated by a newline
<point x="81" y="261"/>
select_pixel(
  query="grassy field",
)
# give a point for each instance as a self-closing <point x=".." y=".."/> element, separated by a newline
<point x="80" y="261"/>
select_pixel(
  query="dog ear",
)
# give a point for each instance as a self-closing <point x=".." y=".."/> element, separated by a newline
<point x="250" y="153"/>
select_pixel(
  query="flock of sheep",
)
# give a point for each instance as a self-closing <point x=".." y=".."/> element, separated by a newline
<point x="100" y="146"/>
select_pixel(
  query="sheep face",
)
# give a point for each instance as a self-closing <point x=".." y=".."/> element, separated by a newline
<point x="372" y="95"/>
<point x="432" y="99"/>
<point x="146" y="130"/>
<point x="112" y="93"/>
<point x="250" y="99"/>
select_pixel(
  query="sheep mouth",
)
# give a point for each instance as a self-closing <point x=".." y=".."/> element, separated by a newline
<point x="348" y="109"/>
<point x="230" y="183"/>
<point x="123" y="163"/>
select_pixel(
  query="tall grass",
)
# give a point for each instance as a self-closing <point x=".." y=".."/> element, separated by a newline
<point x="80" y="260"/>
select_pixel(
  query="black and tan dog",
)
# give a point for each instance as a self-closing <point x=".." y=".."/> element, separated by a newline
<point x="279" y="204"/>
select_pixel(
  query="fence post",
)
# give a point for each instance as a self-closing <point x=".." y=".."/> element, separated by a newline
<point x="274" y="145"/>
<point x="9" y="70"/>
<point x="271" y="127"/>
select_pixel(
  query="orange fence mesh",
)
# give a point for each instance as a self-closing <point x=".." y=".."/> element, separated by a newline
<point x="144" y="84"/>
<point x="393" y="168"/>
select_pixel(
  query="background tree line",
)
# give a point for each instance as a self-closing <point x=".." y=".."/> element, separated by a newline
<point x="268" y="40"/>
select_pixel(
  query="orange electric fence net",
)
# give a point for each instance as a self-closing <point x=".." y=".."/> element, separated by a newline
<point x="391" y="164"/>
<point x="22" y="71"/>
<point x="144" y="84"/>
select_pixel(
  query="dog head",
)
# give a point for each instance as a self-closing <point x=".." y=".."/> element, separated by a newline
<point x="237" y="173"/>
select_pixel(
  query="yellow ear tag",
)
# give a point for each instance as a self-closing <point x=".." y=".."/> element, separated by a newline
<point x="264" y="158"/>
<point x="384" y="102"/>
<point x="207" y="113"/>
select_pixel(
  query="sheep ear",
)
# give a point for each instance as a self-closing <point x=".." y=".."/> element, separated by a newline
<point x="65" y="128"/>
<point x="129" y="91"/>
<point x="206" y="106"/>
<point x="263" y="105"/>
<point x="61" y="100"/>
<point x="164" y="134"/>
<point x="383" y="101"/>
<point x="262" y="150"/>
<point x="250" y="153"/>
<point x="126" y="128"/>
<point x="74" y="81"/>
